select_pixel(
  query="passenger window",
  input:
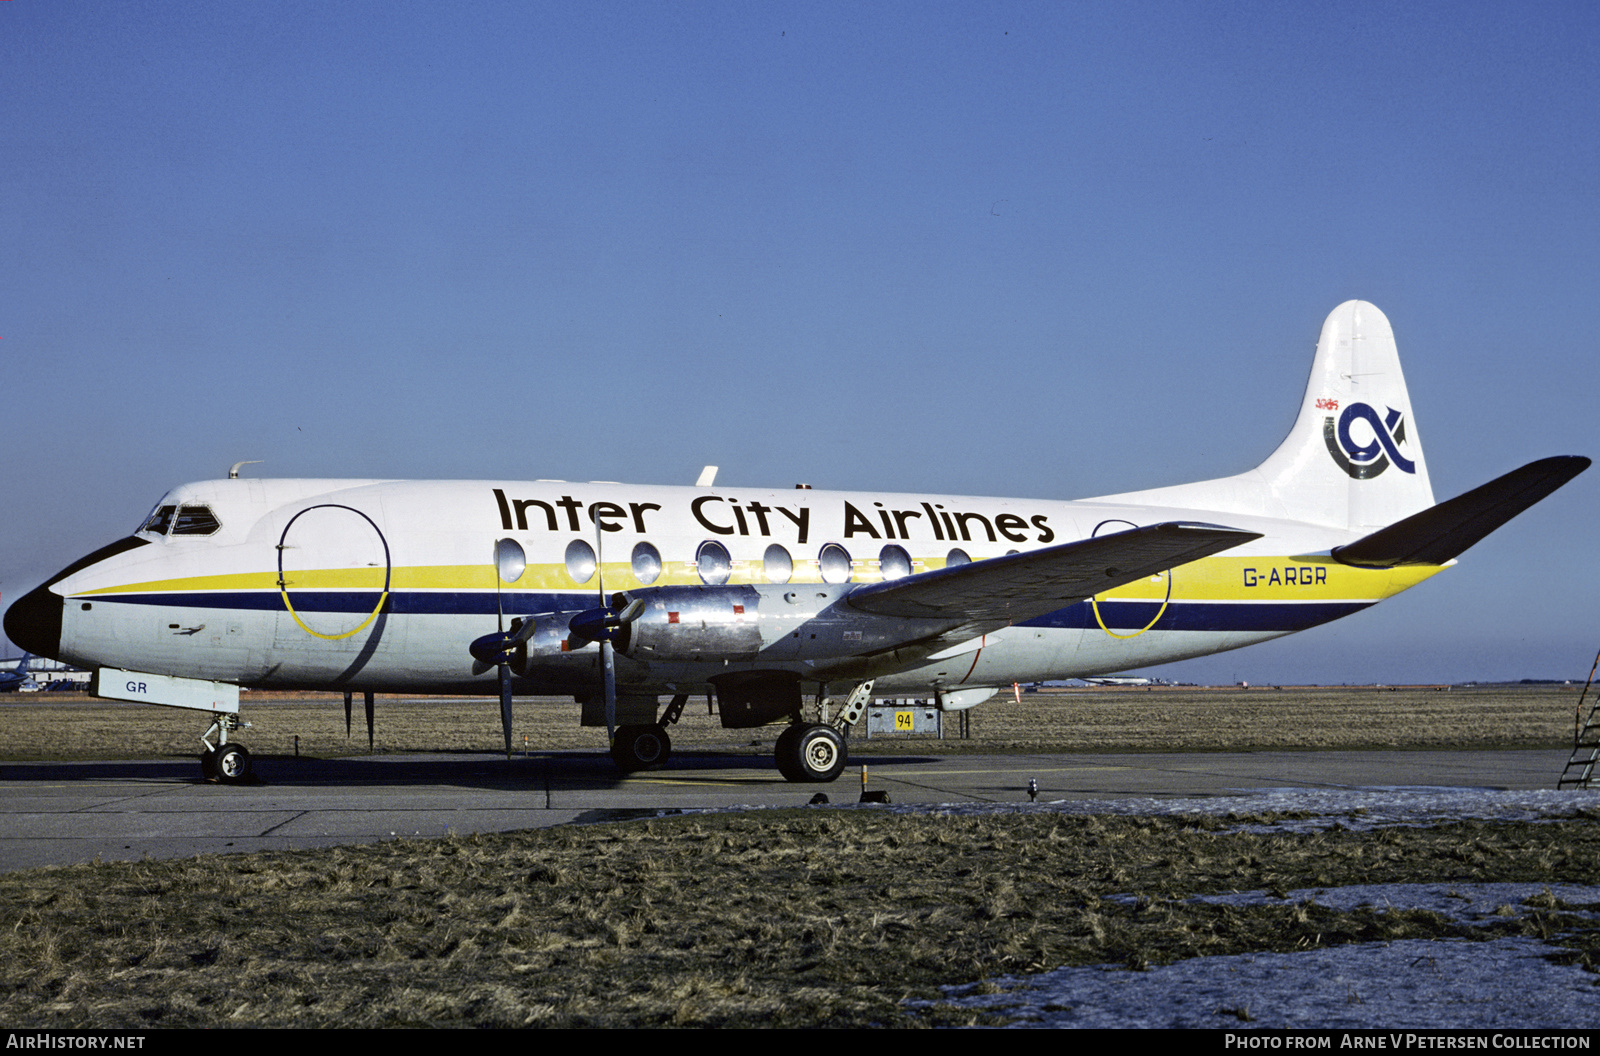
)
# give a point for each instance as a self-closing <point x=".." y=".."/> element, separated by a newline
<point x="580" y="561"/>
<point x="713" y="563"/>
<point x="646" y="563"/>
<point x="160" y="520"/>
<point x="956" y="557"/>
<point x="894" y="562"/>
<point x="777" y="564"/>
<point x="195" y="520"/>
<point x="835" y="564"/>
<point x="510" y="560"/>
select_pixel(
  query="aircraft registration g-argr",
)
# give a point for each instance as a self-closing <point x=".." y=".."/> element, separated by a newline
<point x="793" y="606"/>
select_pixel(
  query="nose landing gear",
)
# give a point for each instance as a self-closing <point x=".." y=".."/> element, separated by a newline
<point x="224" y="762"/>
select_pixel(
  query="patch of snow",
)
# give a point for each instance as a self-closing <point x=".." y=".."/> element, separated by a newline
<point x="1359" y="809"/>
<point x="1408" y="984"/>
<point x="1506" y="983"/>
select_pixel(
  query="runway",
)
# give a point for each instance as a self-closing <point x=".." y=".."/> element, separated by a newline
<point x="60" y="813"/>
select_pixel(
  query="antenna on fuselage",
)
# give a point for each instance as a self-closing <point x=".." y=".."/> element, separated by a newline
<point x="233" y="474"/>
<point x="708" y="477"/>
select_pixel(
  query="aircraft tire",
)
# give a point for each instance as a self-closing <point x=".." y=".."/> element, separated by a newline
<point x="208" y="764"/>
<point x="640" y="747"/>
<point x="815" y="754"/>
<point x="784" y="752"/>
<point x="232" y="764"/>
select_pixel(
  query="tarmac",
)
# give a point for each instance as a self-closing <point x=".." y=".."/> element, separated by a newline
<point x="61" y="813"/>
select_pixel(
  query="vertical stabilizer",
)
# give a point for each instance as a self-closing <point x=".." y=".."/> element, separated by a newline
<point x="1353" y="459"/>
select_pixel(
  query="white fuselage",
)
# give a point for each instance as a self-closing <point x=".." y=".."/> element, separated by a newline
<point x="382" y="585"/>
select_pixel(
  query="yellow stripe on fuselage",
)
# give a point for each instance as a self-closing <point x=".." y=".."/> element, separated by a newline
<point x="1223" y="578"/>
<point x="1274" y="579"/>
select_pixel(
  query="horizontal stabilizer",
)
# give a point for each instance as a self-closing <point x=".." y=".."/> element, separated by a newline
<point x="1021" y="586"/>
<point x="1442" y="532"/>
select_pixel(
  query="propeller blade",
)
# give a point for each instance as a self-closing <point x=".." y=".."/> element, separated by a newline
<point x="608" y="661"/>
<point x="500" y="648"/>
<point x="608" y="628"/>
<point x="505" y="705"/>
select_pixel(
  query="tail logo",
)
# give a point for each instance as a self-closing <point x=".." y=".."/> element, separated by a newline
<point x="1365" y="461"/>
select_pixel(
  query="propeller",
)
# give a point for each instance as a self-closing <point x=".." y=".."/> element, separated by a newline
<point x="500" y="649"/>
<point x="602" y="624"/>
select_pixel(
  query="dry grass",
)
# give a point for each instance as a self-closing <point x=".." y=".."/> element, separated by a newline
<point x="783" y="918"/>
<point x="1132" y="719"/>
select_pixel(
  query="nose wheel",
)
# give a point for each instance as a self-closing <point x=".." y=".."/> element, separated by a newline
<point x="226" y="763"/>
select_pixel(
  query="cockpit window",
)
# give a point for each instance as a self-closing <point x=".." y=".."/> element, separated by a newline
<point x="195" y="520"/>
<point x="160" y="520"/>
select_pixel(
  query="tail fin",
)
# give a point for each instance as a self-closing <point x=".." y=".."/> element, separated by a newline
<point x="1353" y="459"/>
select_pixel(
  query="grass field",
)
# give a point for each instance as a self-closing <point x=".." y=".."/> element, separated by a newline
<point x="57" y="726"/>
<point x="777" y="918"/>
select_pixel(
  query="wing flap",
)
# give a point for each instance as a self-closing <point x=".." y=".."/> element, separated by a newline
<point x="1442" y="532"/>
<point x="1021" y="586"/>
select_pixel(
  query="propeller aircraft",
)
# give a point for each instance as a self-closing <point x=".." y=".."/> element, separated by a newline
<point x="794" y="607"/>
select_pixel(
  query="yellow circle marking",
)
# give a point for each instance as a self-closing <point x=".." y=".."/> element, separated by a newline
<point x="1094" y="603"/>
<point x="331" y="637"/>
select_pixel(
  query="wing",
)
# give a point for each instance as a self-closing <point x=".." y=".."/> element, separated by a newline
<point x="1019" y="587"/>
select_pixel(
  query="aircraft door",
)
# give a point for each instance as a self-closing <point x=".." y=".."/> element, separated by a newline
<point x="334" y="574"/>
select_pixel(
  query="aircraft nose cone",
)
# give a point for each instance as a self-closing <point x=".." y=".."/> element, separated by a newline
<point x="33" y="623"/>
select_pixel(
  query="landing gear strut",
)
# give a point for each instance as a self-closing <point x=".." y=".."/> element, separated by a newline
<point x="817" y="752"/>
<point x="224" y="762"/>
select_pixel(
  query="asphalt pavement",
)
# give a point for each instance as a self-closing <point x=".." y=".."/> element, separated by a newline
<point x="59" y="813"/>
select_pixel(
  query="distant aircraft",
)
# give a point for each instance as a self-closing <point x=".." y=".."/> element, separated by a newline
<point x="18" y="678"/>
<point x="782" y="603"/>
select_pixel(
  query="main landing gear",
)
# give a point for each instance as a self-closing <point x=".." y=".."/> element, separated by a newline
<point x="224" y="762"/>
<point x="811" y="752"/>
<point x="816" y="752"/>
<point x="636" y="748"/>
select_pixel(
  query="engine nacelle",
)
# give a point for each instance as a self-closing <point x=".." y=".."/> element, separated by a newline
<point x="693" y="623"/>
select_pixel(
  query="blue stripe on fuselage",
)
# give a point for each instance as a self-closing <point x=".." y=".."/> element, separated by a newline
<point x="1118" y="615"/>
<point x="1199" y="615"/>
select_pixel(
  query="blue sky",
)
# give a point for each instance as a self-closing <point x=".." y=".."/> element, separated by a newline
<point x="1050" y="249"/>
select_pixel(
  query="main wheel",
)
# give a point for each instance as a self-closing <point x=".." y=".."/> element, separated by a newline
<point x="640" y="747"/>
<point x="231" y="764"/>
<point x="208" y="764"/>
<point x="813" y="754"/>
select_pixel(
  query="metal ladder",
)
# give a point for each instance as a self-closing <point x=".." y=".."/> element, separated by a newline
<point x="1586" y="740"/>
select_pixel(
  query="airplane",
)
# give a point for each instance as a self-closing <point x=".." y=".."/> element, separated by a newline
<point x="789" y="606"/>
<point x="18" y="679"/>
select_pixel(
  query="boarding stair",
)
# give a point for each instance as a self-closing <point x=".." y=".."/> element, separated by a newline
<point x="1586" y="740"/>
